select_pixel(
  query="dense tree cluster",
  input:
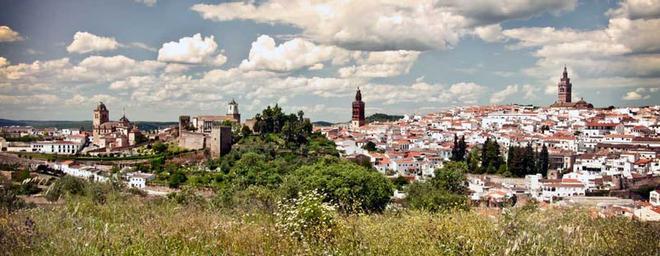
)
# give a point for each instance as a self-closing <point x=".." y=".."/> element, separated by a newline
<point x="295" y="128"/>
<point x="491" y="158"/>
<point x="525" y="160"/>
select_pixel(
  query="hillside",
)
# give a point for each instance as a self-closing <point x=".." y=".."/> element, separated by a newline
<point x="87" y="125"/>
<point x="380" y="117"/>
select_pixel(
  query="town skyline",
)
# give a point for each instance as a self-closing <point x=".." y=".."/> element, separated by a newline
<point x="192" y="58"/>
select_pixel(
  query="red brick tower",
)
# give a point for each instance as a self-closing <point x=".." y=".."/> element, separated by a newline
<point x="564" y="88"/>
<point x="358" y="110"/>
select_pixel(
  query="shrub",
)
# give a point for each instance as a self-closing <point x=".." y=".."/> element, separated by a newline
<point x="65" y="185"/>
<point x="177" y="179"/>
<point x="9" y="201"/>
<point x="351" y="187"/>
<point x="186" y="197"/>
<point x="21" y="175"/>
<point x="425" y="196"/>
<point x="445" y="191"/>
<point x="137" y="191"/>
<point x="307" y="218"/>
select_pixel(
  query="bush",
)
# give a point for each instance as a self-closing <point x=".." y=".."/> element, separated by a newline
<point x="186" y="197"/>
<point x="137" y="192"/>
<point x="177" y="179"/>
<point x="445" y="191"/>
<point x="21" y="175"/>
<point x="351" y="187"/>
<point x="307" y="218"/>
<point x="425" y="196"/>
<point x="9" y="201"/>
<point x="65" y="185"/>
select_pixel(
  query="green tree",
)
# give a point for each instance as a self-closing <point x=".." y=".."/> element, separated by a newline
<point x="544" y="160"/>
<point x="159" y="147"/>
<point x="370" y="146"/>
<point x="529" y="161"/>
<point x="462" y="148"/>
<point x="473" y="160"/>
<point x="454" y="150"/>
<point x="353" y="188"/>
<point x="252" y="169"/>
<point x="177" y="178"/>
<point x="245" y="131"/>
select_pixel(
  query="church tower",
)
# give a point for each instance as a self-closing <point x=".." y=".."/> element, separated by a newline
<point x="564" y="88"/>
<point x="232" y="111"/>
<point x="358" y="110"/>
<point x="101" y="115"/>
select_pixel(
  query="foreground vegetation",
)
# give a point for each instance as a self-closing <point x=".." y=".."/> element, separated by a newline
<point x="131" y="225"/>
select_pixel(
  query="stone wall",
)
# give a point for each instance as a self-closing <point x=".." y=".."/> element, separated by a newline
<point x="191" y="140"/>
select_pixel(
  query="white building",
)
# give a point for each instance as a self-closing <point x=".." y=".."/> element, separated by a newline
<point x="139" y="179"/>
<point x="57" y="147"/>
<point x="552" y="189"/>
<point x="654" y="197"/>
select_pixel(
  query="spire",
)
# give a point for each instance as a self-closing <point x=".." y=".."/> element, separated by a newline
<point x="358" y="95"/>
<point x="565" y="72"/>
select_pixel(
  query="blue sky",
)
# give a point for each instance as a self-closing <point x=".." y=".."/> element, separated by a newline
<point x="163" y="58"/>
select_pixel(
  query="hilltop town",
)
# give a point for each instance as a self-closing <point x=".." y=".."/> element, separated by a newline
<point x="589" y="152"/>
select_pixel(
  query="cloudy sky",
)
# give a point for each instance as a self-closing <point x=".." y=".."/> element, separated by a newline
<point x="162" y="58"/>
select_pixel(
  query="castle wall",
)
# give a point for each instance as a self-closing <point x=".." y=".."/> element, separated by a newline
<point x="192" y="140"/>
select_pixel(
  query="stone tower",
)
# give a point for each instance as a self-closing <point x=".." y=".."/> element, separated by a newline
<point x="101" y="115"/>
<point x="220" y="143"/>
<point x="358" y="110"/>
<point x="564" y="88"/>
<point x="232" y="111"/>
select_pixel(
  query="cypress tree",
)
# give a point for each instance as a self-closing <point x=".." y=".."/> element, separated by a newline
<point x="454" y="150"/>
<point x="485" y="160"/>
<point x="544" y="160"/>
<point x="462" y="149"/>
<point x="528" y="160"/>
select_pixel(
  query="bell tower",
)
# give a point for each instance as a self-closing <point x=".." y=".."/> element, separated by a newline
<point x="232" y="111"/>
<point x="564" y="88"/>
<point x="101" y="115"/>
<point x="358" y="110"/>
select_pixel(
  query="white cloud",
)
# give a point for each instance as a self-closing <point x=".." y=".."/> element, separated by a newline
<point x="626" y="50"/>
<point x="637" y="9"/>
<point x="500" y="96"/>
<point x="490" y="33"/>
<point x="9" y="35"/>
<point x="291" y="55"/>
<point x="84" y="42"/>
<point x="422" y="92"/>
<point x="38" y="99"/>
<point x="638" y="94"/>
<point x="149" y="3"/>
<point x="192" y="50"/>
<point x="3" y="62"/>
<point x="381" y="64"/>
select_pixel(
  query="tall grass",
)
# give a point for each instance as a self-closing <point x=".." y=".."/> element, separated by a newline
<point x="131" y="225"/>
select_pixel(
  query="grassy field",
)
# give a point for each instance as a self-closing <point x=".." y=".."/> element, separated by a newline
<point x="132" y="225"/>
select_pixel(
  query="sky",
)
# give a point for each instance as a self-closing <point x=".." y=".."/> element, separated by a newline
<point x="158" y="59"/>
